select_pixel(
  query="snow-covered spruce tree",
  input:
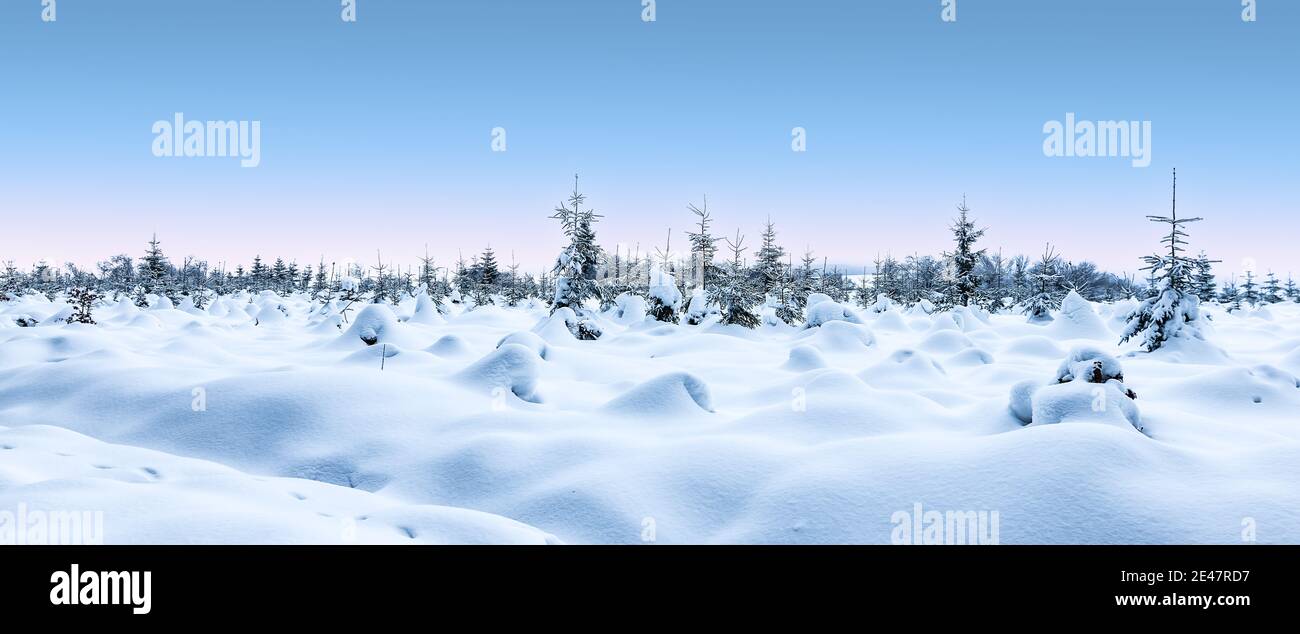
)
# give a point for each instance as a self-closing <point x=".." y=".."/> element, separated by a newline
<point x="733" y="291"/>
<point x="83" y="300"/>
<point x="45" y="280"/>
<point x="703" y="247"/>
<point x="664" y="301"/>
<point x="784" y="298"/>
<point x="1272" y="289"/>
<point x="153" y="272"/>
<point x="806" y="280"/>
<point x="1045" y="288"/>
<point x="278" y="277"/>
<point x="461" y="284"/>
<point x="257" y="278"/>
<point x="11" y="283"/>
<point x="292" y="275"/>
<point x="117" y="275"/>
<point x="427" y="273"/>
<point x="768" y="264"/>
<point x="964" y="257"/>
<point x="1250" y="290"/>
<point x="924" y="280"/>
<point x="1292" y="292"/>
<point x="1020" y="285"/>
<point x="1174" y="307"/>
<point x="578" y="264"/>
<point x="772" y="276"/>
<point x="834" y="284"/>
<point x="612" y="281"/>
<point x="1230" y="296"/>
<point x="513" y="290"/>
<point x="385" y="288"/>
<point x="1203" y="279"/>
<point x="885" y="279"/>
<point x="321" y="289"/>
<point x="992" y="275"/>
<point x="488" y="281"/>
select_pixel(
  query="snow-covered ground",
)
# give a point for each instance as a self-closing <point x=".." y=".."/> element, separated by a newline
<point x="245" y="422"/>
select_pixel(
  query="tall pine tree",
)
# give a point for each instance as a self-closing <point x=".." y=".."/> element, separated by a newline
<point x="965" y="256"/>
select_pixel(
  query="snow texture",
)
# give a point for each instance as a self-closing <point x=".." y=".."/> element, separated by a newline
<point x="498" y="425"/>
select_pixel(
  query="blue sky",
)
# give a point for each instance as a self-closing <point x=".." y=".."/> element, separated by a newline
<point x="376" y="134"/>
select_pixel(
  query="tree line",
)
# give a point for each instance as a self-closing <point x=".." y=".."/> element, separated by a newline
<point x="712" y="273"/>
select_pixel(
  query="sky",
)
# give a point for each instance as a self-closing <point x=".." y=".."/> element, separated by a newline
<point x="377" y="135"/>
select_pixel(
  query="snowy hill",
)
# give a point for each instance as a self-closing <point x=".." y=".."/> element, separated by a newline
<point x="273" y="422"/>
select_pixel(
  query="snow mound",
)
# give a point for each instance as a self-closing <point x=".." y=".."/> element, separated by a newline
<point x="187" y="306"/>
<point x="1077" y="320"/>
<point x="970" y="317"/>
<point x="512" y="366"/>
<point x="150" y="497"/>
<point x="375" y="323"/>
<point x="943" y="321"/>
<point x="665" y="298"/>
<point x="840" y="336"/>
<point x="921" y="308"/>
<point x="1189" y="348"/>
<point x="905" y="368"/>
<point x="629" y="308"/>
<point x="1021" y="402"/>
<point x="528" y="340"/>
<point x="1091" y="364"/>
<point x="426" y="311"/>
<point x="59" y="318"/>
<point x="449" y="346"/>
<point x="564" y="324"/>
<point x="890" y="320"/>
<point x="826" y="311"/>
<point x="699" y="310"/>
<point x="946" y="342"/>
<point x="804" y="358"/>
<point x="673" y="394"/>
<point x="269" y="315"/>
<point x="1088" y="387"/>
<point x="1081" y="401"/>
<point x="817" y="298"/>
<point x="971" y="357"/>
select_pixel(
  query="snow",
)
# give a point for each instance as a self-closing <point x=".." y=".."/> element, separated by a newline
<point x="629" y="309"/>
<point x="1078" y="320"/>
<point x="827" y="310"/>
<point x="498" y="425"/>
<point x="663" y="288"/>
<point x="152" y="497"/>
